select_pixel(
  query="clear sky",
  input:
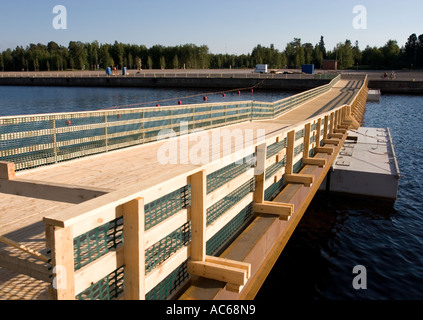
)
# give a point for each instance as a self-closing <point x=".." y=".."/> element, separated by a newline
<point x="225" y="26"/>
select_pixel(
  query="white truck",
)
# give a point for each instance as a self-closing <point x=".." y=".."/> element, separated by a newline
<point x="261" y="68"/>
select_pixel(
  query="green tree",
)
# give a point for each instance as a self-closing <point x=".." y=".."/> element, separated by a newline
<point x="104" y="56"/>
<point x="308" y="53"/>
<point x="344" y="55"/>
<point x="357" y="55"/>
<point x="419" y="61"/>
<point x="411" y="47"/>
<point x="391" y="54"/>
<point x="322" y="47"/>
<point x="162" y="62"/>
<point x="175" y="62"/>
<point x="317" y="56"/>
<point x="117" y="53"/>
<point x="78" y="55"/>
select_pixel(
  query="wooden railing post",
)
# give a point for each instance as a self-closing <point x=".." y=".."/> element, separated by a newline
<point x="235" y="273"/>
<point x="198" y="215"/>
<point x="260" y="173"/>
<point x="325" y="128"/>
<point x="306" y="150"/>
<point x="318" y="132"/>
<point x="290" y="152"/>
<point x="7" y="170"/>
<point x="62" y="260"/>
<point x="134" y="250"/>
<point x="54" y="137"/>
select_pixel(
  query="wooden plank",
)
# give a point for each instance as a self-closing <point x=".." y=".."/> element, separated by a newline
<point x="332" y="123"/>
<point x="260" y="172"/>
<point x="327" y="150"/>
<point x="318" y="132"/>
<point x="134" y="249"/>
<point x="306" y="149"/>
<point x="283" y="210"/>
<point x="335" y="135"/>
<point x="7" y="170"/>
<point x="306" y="179"/>
<point x="325" y="127"/>
<point x="343" y="131"/>
<point x="314" y="161"/>
<point x="218" y="272"/>
<point x="331" y="141"/>
<point x="198" y="215"/>
<point x="230" y="263"/>
<point x="63" y="287"/>
<point x="290" y="152"/>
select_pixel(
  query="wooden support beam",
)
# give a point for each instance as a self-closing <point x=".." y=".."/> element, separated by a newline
<point x="335" y="135"/>
<point x="230" y="263"/>
<point x="327" y="150"/>
<point x="306" y="179"/>
<point x="7" y="170"/>
<point x="339" y="130"/>
<point x="331" y="141"/>
<point x="344" y="126"/>
<point x="283" y="210"/>
<point x="315" y="161"/>
<point x="134" y="249"/>
<point x="234" y="273"/>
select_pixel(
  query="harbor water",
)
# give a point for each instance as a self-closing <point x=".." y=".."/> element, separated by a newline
<point x="336" y="233"/>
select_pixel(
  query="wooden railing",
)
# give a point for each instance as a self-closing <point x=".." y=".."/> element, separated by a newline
<point x="276" y="162"/>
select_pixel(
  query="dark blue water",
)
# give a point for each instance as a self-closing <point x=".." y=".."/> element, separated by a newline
<point x="338" y="233"/>
<point x="34" y="100"/>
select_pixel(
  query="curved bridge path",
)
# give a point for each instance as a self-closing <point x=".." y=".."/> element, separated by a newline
<point x="51" y="191"/>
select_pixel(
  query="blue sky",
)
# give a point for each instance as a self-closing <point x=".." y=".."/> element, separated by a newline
<point x="225" y="26"/>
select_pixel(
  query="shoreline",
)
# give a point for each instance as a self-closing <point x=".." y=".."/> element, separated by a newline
<point x="404" y="83"/>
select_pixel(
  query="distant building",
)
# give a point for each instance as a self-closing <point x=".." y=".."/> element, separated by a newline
<point x="329" y="65"/>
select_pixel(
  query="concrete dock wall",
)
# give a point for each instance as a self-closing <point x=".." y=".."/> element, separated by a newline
<point x="385" y="86"/>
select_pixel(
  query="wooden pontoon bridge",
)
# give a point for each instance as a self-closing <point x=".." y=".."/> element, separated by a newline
<point x="90" y="209"/>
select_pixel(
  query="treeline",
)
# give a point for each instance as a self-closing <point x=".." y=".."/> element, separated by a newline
<point x="92" y="56"/>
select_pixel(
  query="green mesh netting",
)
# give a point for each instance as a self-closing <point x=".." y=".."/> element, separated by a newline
<point x="164" y="207"/>
<point x="97" y="242"/>
<point x="108" y="288"/>
<point x="220" y="177"/>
